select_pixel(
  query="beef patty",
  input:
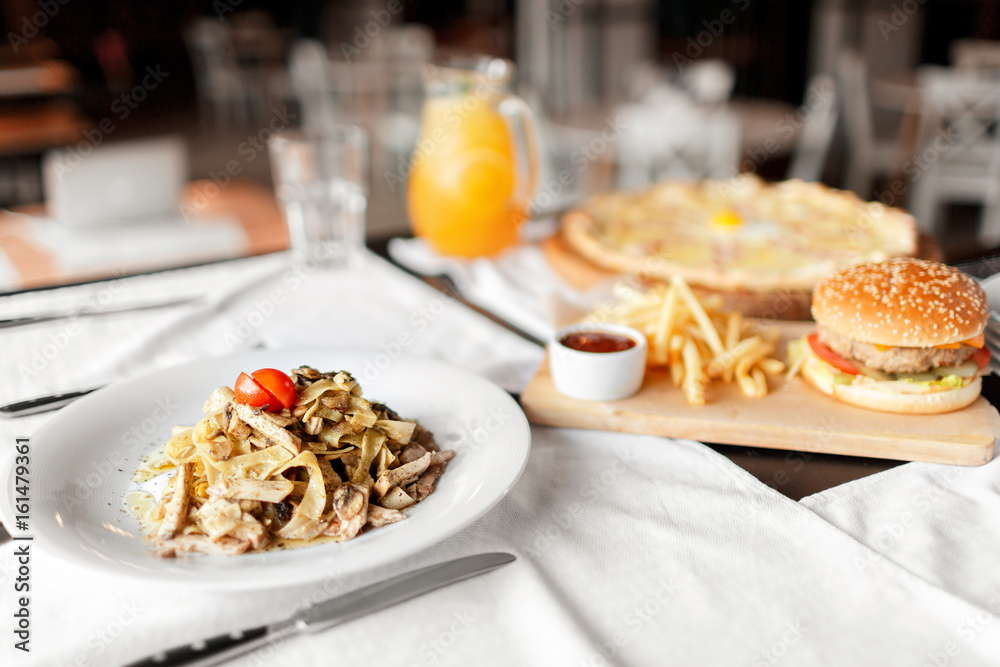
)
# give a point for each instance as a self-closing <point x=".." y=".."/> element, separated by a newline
<point x="895" y="359"/>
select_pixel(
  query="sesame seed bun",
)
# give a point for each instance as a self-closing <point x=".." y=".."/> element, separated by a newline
<point x="872" y="397"/>
<point x="902" y="303"/>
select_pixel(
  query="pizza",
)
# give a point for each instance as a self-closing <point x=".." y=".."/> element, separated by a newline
<point x="737" y="235"/>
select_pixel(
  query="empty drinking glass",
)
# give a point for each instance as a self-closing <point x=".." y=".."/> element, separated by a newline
<point x="321" y="179"/>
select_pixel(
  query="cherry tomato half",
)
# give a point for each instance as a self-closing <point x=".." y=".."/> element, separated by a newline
<point x="279" y="385"/>
<point x="981" y="357"/>
<point x="831" y="357"/>
<point x="250" y="392"/>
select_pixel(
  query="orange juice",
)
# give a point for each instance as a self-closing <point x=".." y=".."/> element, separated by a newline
<point x="462" y="191"/>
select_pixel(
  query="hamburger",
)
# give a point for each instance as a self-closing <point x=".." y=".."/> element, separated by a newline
<point x="904" y="335"/>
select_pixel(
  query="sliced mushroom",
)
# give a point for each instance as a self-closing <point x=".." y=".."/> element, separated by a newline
<point x="221" y="449"/>
<point x="350" y="512"/>
<point x="350" y="500"/>
<point x="411" y="453"/>
<point x="426" y="482"/>
<point x="339" y="402"/>
<point x="307" y="372"/>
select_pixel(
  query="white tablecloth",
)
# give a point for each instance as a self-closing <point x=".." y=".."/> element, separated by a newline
<point x="631" y="550"/>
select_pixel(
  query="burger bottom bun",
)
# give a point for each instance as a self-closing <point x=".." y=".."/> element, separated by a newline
<point x="873" y="398"/>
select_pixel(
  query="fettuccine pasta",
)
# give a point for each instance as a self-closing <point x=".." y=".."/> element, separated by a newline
<point x="330" y="467"/>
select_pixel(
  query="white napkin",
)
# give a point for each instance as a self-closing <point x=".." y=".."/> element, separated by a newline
<point x="518" y="285"/>
<point x="940" y="523"/>
<point x="136" y="245"/>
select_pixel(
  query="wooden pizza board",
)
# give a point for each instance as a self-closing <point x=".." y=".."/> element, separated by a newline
<point x="793" y="415"/>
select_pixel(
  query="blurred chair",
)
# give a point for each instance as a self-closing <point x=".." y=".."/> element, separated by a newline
<point x="820" y="110"/>
<point x="402" y="53"/>
<point x="382" y="86"/>
<point x="260" y="50"/>
<point x="958" y="149"/>
<point x="675" y="141"/>
<point x="581" y="59"/>
<point x="312" y="84"/>
<point x="869" y="156"/>
<point x="709" y="82"/>
<point x="976" y="54"/>
<point x="222" y="91"/>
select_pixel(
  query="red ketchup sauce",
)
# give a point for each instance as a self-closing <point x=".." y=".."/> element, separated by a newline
<point x="597" y="341"/>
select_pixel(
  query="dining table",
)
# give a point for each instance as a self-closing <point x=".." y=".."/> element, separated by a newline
<point x="237" y="219"/>
<point x="630" y="549"/>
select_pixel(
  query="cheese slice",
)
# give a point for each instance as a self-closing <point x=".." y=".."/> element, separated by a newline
<point x="976" y="342"/>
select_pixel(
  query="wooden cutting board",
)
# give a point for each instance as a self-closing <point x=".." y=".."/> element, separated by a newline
<point x="794" y="416"/>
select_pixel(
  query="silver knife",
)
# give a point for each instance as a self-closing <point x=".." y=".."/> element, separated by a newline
<point x="34" y="406"/>
<point x="7" y="323"/>
<point x="331" y="613"/>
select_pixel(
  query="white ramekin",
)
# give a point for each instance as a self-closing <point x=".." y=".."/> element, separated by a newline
<point x="598" y="376"/>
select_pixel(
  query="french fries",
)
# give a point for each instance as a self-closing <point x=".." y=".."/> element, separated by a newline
<point x="697" y="341"/>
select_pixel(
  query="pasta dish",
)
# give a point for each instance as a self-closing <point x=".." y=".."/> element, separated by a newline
<point x="287" y="459"/>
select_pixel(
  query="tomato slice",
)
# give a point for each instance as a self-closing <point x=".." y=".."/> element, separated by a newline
<point x="278" y="384"/>
<point x="251" y="392"/>
<point x="981" y="357"/>
<point x="831" y="357"/>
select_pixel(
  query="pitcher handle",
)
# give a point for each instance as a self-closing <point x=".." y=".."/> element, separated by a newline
<point x="521" y="123"/>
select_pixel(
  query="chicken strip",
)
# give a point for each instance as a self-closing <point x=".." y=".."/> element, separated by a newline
<point x="175" y="512"/>
<point x="268" y="427"/>
<point x="402" y="475"/>
<point x="226" y="546"/>
<point x="383" y="516"/>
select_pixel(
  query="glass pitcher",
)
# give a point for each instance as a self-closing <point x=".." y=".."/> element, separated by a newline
<point x="475" y="167"/>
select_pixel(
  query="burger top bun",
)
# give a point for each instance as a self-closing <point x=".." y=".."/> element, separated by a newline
<point x="902" y="303"/>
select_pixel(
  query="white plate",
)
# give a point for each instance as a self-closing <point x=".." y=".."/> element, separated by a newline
<point x="82" y="463"/>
